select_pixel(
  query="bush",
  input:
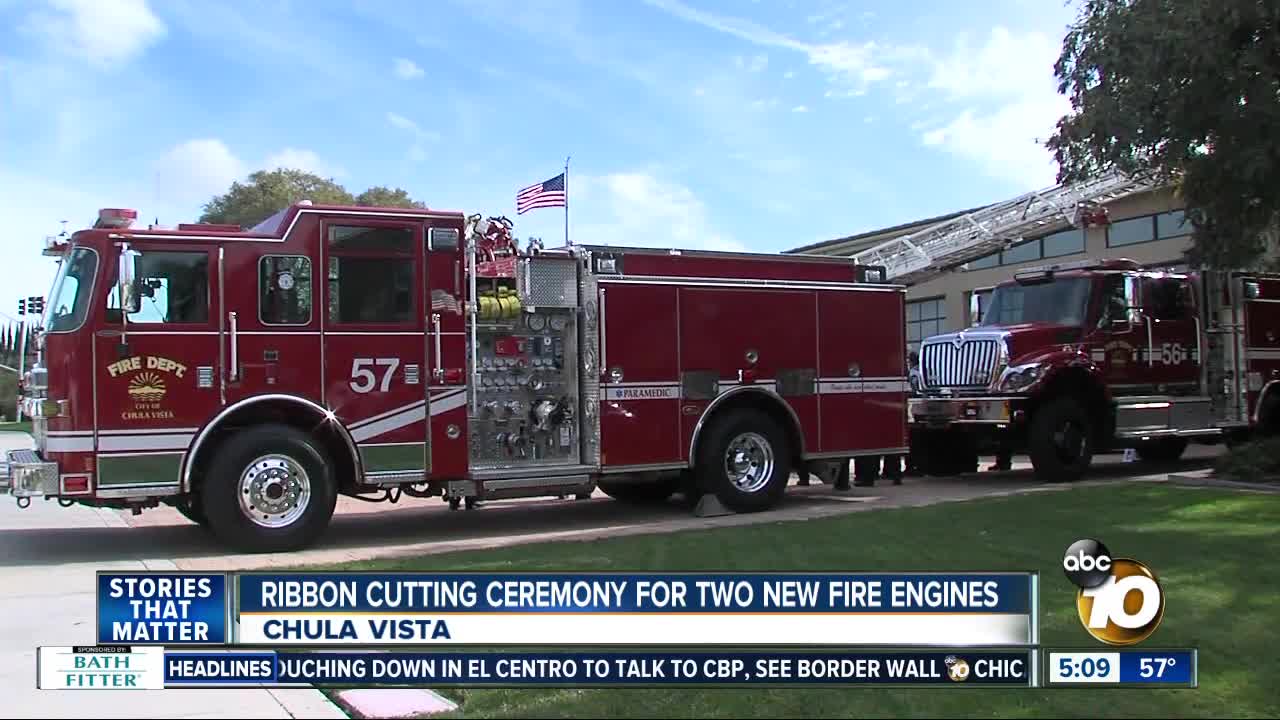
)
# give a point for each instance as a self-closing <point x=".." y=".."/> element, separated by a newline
<point x="1254" y="461"/>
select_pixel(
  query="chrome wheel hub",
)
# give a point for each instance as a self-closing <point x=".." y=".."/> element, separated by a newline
<point x="274" y="491"/>
<point x="749" y="462"/>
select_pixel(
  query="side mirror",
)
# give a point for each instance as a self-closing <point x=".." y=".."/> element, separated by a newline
<point x="130" y="300"/>
<point x="975" y="309"/>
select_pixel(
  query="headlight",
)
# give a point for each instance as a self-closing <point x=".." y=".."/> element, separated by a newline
<point x="1020" y="377"/>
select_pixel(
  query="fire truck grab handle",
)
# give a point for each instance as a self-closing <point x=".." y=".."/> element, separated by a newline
<point x="604" y="340"/>
<point x="437" y="368"/>
<point x="233" y="372"/>
<point x="1151" y="343"/>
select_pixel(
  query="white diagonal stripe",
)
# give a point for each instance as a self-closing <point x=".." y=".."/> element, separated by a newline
<point x="387" y="424"/>
<point x="448" y="402"/>
<point x="389" y="413"/>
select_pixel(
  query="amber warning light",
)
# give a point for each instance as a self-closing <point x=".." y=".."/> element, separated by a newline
<point x="115" y="218"/>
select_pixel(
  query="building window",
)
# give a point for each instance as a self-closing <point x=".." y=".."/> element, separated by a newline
<point x="1172" y="224"/>
<point x="983" y="263"/>
<point x="1067" y="242"/>
<point x="1131" y="231"/>
<point x="1025" y="252"/>
<point x="925" y="318"/>
<point x="284" y="290"/>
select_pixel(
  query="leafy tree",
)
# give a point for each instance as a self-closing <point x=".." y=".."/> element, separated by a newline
<point x="1189" y="92"/>
<point x="266" y="192"/>
<point x="379" y="196"/>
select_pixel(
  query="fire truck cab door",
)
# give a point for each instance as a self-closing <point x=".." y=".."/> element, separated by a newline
<point x="374" y="329"/>
<point x="155" y="369"/>
<point x="1169" y="304"/>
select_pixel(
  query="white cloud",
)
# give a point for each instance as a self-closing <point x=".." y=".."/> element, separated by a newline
<point x="856" y="64"/>
<point x="1005" y="64"/>
<point x="699" y="91"/>
<point x="800" y="109"/>
<point x="196" y="170"/>
<point x="1013" y="105"/>
<point x="407" y="69"/>
<point x="103" y="32"/>
<point x="788" y="75"/>
<point x="638" y="209"/>
<point x="763" y="103"/>
<point x="296" y="159"/>
<point x="758" y="63"/>
<point x="402" y="122"/>
<point x="417" y="150"/>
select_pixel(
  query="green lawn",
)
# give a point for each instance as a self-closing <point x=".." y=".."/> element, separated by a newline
<point x="1213" y="550"/>
<point x="24" y="426"/>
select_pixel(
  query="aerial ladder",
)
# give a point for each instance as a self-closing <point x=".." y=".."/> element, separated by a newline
<point x="920" y="255"/>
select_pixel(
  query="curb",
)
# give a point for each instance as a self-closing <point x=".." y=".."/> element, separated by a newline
<point x="381" y="703"/>
<point x="1208" y="481"/>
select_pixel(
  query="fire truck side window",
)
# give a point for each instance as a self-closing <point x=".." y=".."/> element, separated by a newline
<point x="1168" y="298"/>
<point x="371" y="273"/>
<point x="174" y="287"/>
<point x="284" y="290"/>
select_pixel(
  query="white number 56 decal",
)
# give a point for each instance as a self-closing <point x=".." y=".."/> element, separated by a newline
<point x="362" y="378"/>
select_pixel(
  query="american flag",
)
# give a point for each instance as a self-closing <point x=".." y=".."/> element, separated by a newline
<point x="544" y="194"/>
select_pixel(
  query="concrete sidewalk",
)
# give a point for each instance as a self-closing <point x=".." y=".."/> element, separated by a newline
<point x="53" y="603"/>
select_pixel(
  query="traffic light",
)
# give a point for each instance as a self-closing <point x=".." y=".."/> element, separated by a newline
<point x="22" y="306"/>
<point x="35" y="305"/>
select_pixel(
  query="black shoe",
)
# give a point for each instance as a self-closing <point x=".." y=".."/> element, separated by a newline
<point x="804" y="481"/>
<point x="864" y="483"/>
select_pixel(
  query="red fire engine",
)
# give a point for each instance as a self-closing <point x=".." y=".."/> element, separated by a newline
<point x="1073" y="359"/>
<point x="1068" y="360"/>
<point x="250" y="377"/>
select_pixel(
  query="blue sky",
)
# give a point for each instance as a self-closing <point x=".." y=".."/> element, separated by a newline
<point x="759" y="125"/>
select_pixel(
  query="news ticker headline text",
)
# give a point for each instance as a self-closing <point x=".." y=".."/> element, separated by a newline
<point x="566" y="609"/>
<point x="150" y="667"/>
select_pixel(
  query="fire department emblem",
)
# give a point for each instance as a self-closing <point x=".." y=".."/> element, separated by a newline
<point x="147" y="387"/>
<point x="148" y="378"/>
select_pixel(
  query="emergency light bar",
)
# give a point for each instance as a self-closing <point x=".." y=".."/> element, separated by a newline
<point x="116" y="218"/>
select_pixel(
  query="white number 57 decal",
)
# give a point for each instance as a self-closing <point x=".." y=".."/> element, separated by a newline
<point x="363" y="379"/>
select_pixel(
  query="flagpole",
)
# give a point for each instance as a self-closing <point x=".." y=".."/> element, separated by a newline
<point x="566" y="201"/>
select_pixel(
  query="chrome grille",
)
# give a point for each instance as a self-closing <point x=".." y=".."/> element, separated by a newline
<point x="946" y="365"/>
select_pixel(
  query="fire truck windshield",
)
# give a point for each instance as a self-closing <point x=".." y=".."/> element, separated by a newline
<point x="69" y="298"/>
<point x="1061" y="302"/>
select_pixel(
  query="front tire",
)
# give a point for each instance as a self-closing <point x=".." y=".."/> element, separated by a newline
<point x="745" y="460"/>
<point x="269" y="489"/>
<point x="1061" y="441"/>
<point x="1164" y="450"/>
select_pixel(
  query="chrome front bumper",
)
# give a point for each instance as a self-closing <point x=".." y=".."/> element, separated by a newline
<point x="26" y="474"/>
<point x="970" y="410"/>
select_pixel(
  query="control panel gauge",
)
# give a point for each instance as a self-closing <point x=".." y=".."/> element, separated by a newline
<point x="537" y="322"/>
<point x="558" y="323"/>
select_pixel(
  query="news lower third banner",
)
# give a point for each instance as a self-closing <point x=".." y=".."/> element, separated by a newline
<point x="508" y="610"/>
<point x="154" y="668"/>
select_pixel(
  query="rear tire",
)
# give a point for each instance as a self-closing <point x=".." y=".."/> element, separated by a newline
<point x="1164" y="450"/>
<point x="745" y="460"/>
<point x="269" y="489"/>
<point x="1061" y="441"/>
<point x="642" y="493"/>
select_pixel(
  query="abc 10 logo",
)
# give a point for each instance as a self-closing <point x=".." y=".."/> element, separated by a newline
<point x="1119" y="600"/>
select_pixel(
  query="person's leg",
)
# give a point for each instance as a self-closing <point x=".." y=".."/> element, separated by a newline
<point x="842" y="477"/>
<point x="893" y="468"/>
<point x="865" y="470"/>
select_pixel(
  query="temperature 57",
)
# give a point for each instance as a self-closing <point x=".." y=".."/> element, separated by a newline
<point x="364" y="380"/>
